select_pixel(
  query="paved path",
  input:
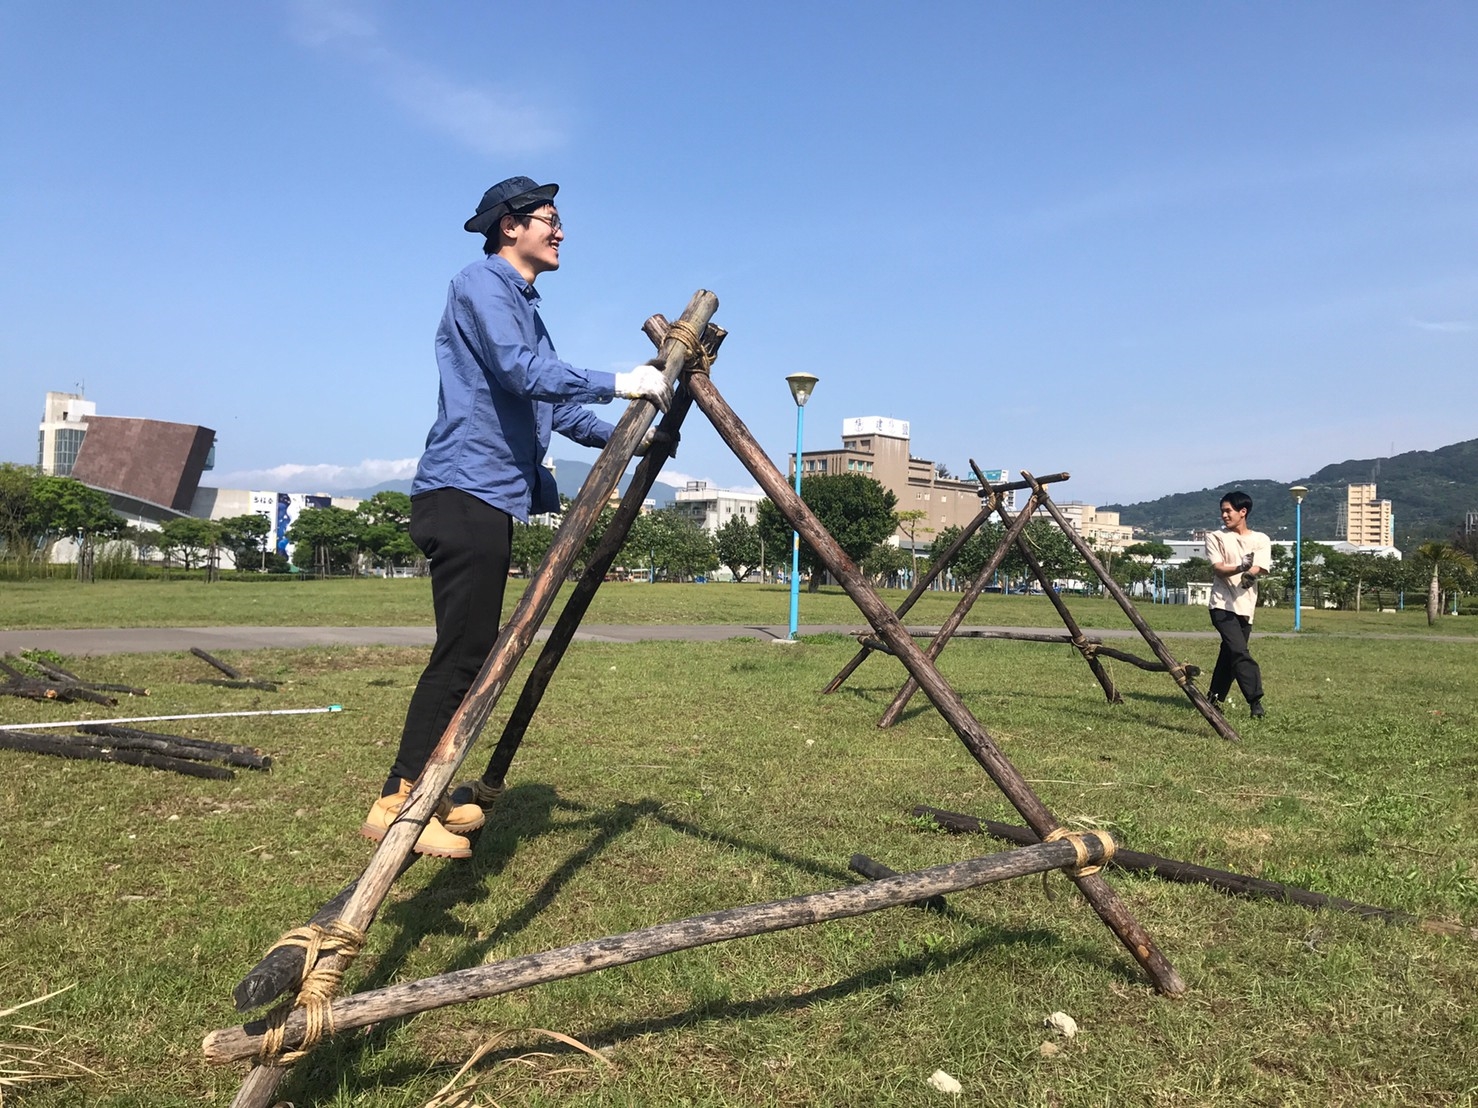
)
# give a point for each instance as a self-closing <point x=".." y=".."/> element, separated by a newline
<point x="149" y="640"/>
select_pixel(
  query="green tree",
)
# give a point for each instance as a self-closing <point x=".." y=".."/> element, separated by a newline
<point x="885" y="561"/>
<point x="190" y="539"/>
<point x="530" y="544"/>
<point x="332" y="535"/>
<point x="385" y="529"/>
<point x="245" y="536"/>
<point x="17" y="521"/>
<point x="1156" y="552"/>
<point x="737" y="545"/>
<point x="855" y="509"/>
<point x="671" y="544"/>
<point x="1443" y="558"/>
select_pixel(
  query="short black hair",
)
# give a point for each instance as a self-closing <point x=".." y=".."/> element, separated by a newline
<point x="1239" y="501"/>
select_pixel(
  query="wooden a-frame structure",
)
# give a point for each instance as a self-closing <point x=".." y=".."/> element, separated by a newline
<point x="312" y="960"/>
<point x="992" y="497"/>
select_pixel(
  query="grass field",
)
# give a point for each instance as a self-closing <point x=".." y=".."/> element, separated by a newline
<point x="666" y="779"/>
<point x="407" y="602"/>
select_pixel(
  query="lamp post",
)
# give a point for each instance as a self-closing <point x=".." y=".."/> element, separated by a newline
<point x="1298" y="492"/>
<point x="802" y="385"/>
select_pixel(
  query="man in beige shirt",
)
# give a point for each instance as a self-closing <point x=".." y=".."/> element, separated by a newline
<point x="1239" y="556"/>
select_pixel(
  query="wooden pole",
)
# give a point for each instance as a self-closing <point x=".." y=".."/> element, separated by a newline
<point x="1176" y="670"/>
<point x="563" y="632"/>
<point x="479" y="982"/>
<point x="126" y="738"/>
<point x="1078" y="640"/>
<point x="874" y="870"/>
<point x="91" y="749"/>
<point x="508" y="651"/>
<point x="937" y="565"/>
<point x="970" y="731"/>
<point x="1093" y="644"/>
<point x="1188" y="873"/>
<point x="967" y="601"/>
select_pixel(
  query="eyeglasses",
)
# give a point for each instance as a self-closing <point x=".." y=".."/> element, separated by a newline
<point x="553" y="220"/>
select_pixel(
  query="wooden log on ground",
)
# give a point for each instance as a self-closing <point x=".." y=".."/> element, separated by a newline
<point x="1188" y="873"/>
<point x="976" y="739"/>
<point x="507" y="653"/>
<point x="230" y="671"/>
<point x="121" y="738"/>
<point x="115" y="731"/>
<point x="244" y="683"/>
<point x="76" y="747"/>
<point x="1095" y="645"/>
<point x="1177" y="671"/>
<point x="874" y="870"/>
<point x="479" y="982"/>
<point x="31" y="689"/>
<point x="67" y="677"/>
<point x="1143" y="663"/>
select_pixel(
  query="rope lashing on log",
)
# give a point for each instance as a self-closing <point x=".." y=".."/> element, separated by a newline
<point x="1079" y="840"/>
<point x="319" y="987"/>
<point x="684" y="333"/>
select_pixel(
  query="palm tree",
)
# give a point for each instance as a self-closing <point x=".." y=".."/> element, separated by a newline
<point x="1444" y="557"/>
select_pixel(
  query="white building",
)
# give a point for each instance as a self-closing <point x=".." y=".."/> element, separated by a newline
<point x="711" y="508"/>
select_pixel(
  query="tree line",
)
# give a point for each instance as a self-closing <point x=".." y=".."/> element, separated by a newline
<point x="37" y="511"/>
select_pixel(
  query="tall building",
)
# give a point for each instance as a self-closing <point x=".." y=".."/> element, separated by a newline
<point x="1367" y="520"/>
<point x="63" y="426"/>
<point x="878" y="447"/>
<point x="1099" y="527"/>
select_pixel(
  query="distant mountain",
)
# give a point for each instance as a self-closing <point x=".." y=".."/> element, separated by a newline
<point x="1431" y="492"/>
<point x="569" y="475"/>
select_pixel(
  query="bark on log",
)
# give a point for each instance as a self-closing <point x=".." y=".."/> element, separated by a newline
<point x="195" y="750"/>
<point x="937" y="566"/>
<point x="237" y="1043"/>
<point x="1177" y="671"/>
<point x="229" y="670"/>
<point x="971" y="732"/>
<point x="84" y="748"/>
<point x="1188" y="873"/>
<point x="508" y="650"/>
<point x="967" y="601"/>
<point x="874" y="870"/>
<point x="244" y="683"/>
<point x="1095" y="645"/>
<point x="32" y="689"/>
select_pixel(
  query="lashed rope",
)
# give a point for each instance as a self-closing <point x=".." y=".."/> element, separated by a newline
<point x="319" y="986"/>
<point x="1079" y="839"/>
<point x="683" y="332"/>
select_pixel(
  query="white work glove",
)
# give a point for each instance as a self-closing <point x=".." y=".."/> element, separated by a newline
<point x="645" y="382"/>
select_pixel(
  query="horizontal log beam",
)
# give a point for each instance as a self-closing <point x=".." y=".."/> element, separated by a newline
<point x="82" y="748"/>
<point x="478" y="983"/>
<point x="1188" y="873"/>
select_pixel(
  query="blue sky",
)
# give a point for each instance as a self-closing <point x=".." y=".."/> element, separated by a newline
<point x="1160" y="245"/>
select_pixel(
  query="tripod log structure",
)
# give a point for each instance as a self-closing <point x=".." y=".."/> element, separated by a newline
<point x="354" y="909"/>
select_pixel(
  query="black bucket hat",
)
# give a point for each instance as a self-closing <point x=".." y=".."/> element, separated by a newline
<point x="505" y="197"/>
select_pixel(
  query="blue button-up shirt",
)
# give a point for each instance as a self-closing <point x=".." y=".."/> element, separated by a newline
<point x="503" y="391"/>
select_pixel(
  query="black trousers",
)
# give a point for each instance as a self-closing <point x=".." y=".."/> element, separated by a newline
<point x="469" y="544"/>
<point x="1235" y="658"/>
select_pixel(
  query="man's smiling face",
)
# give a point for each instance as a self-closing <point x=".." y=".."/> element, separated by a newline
<point x="534" y="248"/>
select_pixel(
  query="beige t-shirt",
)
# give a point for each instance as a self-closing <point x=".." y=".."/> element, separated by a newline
<point x="1227" y="546"/>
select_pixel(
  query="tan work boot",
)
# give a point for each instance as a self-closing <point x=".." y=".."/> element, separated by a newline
<point x="459" y="814"/>
<point x="435" y="838"/>
<point x="468" y="797"/>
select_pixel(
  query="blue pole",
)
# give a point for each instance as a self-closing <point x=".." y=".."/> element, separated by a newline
<point x="1298" y="564"/>
<point x="795" y="536"/>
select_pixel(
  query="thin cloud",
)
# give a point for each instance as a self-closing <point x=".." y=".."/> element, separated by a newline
<point x="485" y="118"/>
<point x="1443" y="326"/>
<point x="321" y="477"/>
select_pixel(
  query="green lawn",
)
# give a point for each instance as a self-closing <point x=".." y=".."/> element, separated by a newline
<point x="666" y="779"/>
<point x="406" y="602"/>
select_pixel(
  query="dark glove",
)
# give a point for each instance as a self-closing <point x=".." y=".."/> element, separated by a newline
<point x="656" y="437"/>
<point x="1248" y="580"/>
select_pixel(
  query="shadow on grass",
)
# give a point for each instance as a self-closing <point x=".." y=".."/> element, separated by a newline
<point x="526" y="813"/>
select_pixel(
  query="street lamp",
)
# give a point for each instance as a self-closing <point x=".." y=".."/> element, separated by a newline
<point x="1298" y="492"/>
<point x="802" y="385"/>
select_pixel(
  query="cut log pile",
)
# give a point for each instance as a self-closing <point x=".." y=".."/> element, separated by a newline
<point x="56" y="683"/>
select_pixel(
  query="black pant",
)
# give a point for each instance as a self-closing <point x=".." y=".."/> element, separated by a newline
<point x="469" y="543"/>
<point x="1235" y="658"/>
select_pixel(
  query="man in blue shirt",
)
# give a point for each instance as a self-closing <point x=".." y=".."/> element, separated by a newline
<point x="503" y="392"/>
